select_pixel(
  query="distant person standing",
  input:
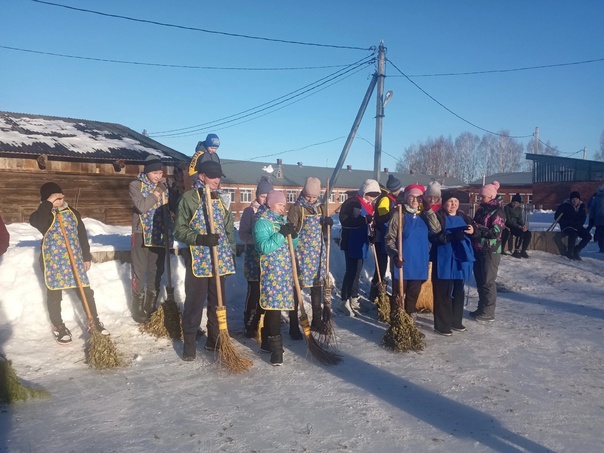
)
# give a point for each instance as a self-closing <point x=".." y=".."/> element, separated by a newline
<point x="515" y="222"/>
<point x="206" y="150"/>
<point x="573" y="213"/>
<point x="596" y="217"/>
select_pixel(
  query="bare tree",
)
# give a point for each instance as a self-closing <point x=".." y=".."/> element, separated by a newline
<point x="599" y="155"/>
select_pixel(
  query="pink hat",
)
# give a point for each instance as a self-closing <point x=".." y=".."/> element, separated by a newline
<point x="414" y="190"/>
<point x="490" y="190"/>
<point x="274" y="197"/>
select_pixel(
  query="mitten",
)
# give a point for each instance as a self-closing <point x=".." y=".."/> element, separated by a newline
<point x="326" y="221"/>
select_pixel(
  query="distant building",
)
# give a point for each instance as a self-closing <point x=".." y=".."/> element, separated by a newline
<point x="509" y="185"/>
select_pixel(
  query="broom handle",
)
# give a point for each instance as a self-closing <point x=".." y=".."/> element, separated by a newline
<point x="213" y="248"/>
<point x="292" y="255"/>
<point x="75" y="270"/>
<point x="166" y="245"/>
<point x="400" y="253"/>
<point x="553" y="225"/>
<point x="377" y="265"/>
<point x="328" y="231"/>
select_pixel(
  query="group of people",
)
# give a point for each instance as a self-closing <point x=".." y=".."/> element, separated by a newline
<point x="407" y="227"/>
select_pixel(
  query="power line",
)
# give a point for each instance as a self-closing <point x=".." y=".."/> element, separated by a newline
<point x="203" y="30"/>
<point x="451" y="111"/>
<point x="313" y="87"/>
<point x="558" y="151"/>
<point x="527" y="68"/>
<point x="163" y="65"/>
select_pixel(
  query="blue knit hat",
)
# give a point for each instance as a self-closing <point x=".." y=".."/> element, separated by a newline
<point x="212" y="141"/>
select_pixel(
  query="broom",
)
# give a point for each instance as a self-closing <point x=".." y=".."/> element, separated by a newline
<point x="11" y="389"/>
<point x="425" y="300"/>
<point x="382" y="301"/>
<point x="228" y="355"/>
<point x="402" y="335"/>
<point x="165" y="322"/>
<point x="101" y="351"/>
<point x="327" y="334"/>
<point x="321" y="354"/>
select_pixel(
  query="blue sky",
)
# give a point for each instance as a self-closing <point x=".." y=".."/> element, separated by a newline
<point x="422" y="38"/>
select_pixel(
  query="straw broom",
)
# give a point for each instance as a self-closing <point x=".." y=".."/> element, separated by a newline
<point x="382" y="301"/>
<point x="101" y="352"/>
<point x="327" y="334"/>
<point x="425" y="300"/>
<point x="402" y="335"/>
<point x="11" y="389"/>
<point x="321" y="354"/>
<point x="166" y="321"/>
<point x="228" y="355"/>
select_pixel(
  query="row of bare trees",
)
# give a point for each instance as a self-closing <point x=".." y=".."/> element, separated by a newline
<point x="469" y="156"/>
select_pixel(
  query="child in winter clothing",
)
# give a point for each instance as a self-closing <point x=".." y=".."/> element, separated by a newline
<point x="251" y="267"/>
<point x="356" y="218"/>
<point x="574" y="214"/>
<point x="191" y="227"/>
<point x="64" y="239"/>
<point x="276" y="274"/>
<point x="205" y="150"/>
<point x="310" y="220"/>
<point x="489" y="222"/>
<point x="417" y="225"/>
<point x="151" y="220"/>
<point x="4" y="237"/>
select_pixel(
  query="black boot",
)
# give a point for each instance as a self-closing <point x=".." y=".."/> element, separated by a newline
<point x="150" y="301"/>
<point x="276" y="346"/>
<point x="189" y="349"/>
<point x="294" y="326"/>
<point x="138" y="312"/>
<point x="264" y="346"/>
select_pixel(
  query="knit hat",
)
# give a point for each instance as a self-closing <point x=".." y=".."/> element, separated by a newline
<point x="393" y="184"/>
<point x="574" y="194"/>
<point x="274" y="197"/>
<point x="212" y="141"/>
<point x="264" y="186"/>
<point x="414" y="189"/>
<point x="447" y="195"/>
<point x="210" y="168"/>
<point x="517" y="198"/>
<point x="370" y="187"/>
<point x="312" y="188"/>
<point x="152" y="163"/>
<point x="489" y="190"/>
<point x="433" y="189"/>
<point x="48" y="189"/>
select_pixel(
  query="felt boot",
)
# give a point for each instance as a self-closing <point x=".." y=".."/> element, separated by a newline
<point x="150" y="301"/>
<point x="189" y="349"/>
<point x="138" y="312"/>
<point x="276" y="347"/>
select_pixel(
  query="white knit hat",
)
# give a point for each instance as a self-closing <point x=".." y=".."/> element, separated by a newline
<point x="433" y="189"/>
<point x="369" y="186"/>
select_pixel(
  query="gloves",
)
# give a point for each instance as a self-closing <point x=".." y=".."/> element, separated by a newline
<point x="209" y="240"/>
<point x="161" y="187"/>
<point x="398" y="263"/>
<point x="369" y="218"/>
<point x="326" y="221"/>
<point x="214" y="195"/>
<point x="288" y="228"/>
<point x="458" y="235"/>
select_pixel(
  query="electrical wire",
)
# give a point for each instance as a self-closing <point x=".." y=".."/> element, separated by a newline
<point x="182" y="27"/>
<point x="162" y="65"/>
<point x="451" y="111"/>
<point x="312" y="88"/>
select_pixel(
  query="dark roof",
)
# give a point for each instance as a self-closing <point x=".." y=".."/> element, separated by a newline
<point x="522" y="178"/>
<point x="76" y="139"/>
<point x="245" y="172"/>
<point x="565" y="169"/>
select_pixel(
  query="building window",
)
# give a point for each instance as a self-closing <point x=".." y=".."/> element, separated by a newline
<point x="342" y="197"/>
<point x="231" y="193"/>
<point x="291" y="196"/>
<point x="332" y="197"/>
<point x="246" y="195"/>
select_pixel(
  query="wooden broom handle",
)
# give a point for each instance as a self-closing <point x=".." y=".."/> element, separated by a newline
<point x="377" y="265"/>
<point x="292" y="255"/>
<point x="328" y="230"/>
<point x="400" y="249"/>
<point x="210" y="227"/>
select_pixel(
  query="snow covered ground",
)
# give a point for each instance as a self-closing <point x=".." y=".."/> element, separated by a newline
<point x="532" y="381"/>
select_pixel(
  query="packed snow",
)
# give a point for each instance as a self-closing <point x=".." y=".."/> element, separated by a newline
<point x="532" y="381"/>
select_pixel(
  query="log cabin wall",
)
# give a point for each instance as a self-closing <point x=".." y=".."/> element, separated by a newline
<point x="97" y="190"/>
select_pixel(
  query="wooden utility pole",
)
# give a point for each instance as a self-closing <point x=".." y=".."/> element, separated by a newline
<point x="379" y="112"/>
<point x="536" y="145"/>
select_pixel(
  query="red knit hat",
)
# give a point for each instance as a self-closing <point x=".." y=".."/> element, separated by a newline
<point x="414" y="189"/>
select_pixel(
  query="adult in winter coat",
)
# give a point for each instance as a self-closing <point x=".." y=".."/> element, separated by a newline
<point x="489" y="222"/>
<point x="574" y="214"/>
<point x="4" y="237"/>
<point x="191" y="227"/>
<point x="417" y="225"/>
<point x="515" y="223"/>
<point x="356" y="218"/>
<point x="596" y="217"/>
<point x="276" y="272"/>
<point x="63" y="230"/>
<point x="251" y="266"/>
<point x="151" y="220"/>
<point x="433" y="196"/>
<point x="385" y="207"/>
<point x="309" y="218"/>
<point x="206" y="150"/>
<point x="452" y="257"/>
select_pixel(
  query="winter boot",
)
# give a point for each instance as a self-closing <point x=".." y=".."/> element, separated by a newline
<point x="150" y="301"/>
<point x="344" y="307"/>
<point x="61" y="334"/>
<point x="189" y="348"/>
<point x="264" y="345"/>
<point x="294" y="327"/>
<point x="138" y="312"/>
<point x="374" y="292"/>
<point x="276" y="346"/>
<point x="100" y="327"/>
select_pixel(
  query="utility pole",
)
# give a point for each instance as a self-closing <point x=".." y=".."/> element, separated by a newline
<point x="584" y="153"/>
<point x="536" y="145"/>
<point x="379" y="113"/>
